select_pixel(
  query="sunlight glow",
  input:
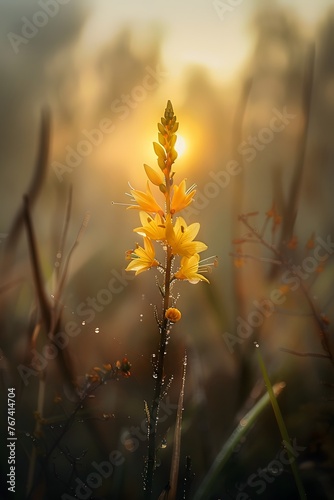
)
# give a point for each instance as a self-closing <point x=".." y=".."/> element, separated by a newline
<point x="180" y="145"/>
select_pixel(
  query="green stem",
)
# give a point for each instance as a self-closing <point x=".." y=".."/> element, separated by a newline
<point x="282" y="427"/>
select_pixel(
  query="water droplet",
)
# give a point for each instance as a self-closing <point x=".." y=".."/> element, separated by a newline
<point x="256" y="344"/>
<point x="27" y="434"/>
<point x="141" y="317"/>
<point x="58" y="255"/>
<point x="163" y="443"/>
<point x="155" y="375"/>
<point x="97" y="330"/>
<point x="275" y="471"/>
<point x="83" y="323"/>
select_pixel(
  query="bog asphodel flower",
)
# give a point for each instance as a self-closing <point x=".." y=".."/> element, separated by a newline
<point x="154" y="228"/>
<point x="143" y="258"/>
<point x="159" y="225"/>
<point x="146" y="201"/>
<point x="175" y="240"/>
<point x="180" y="237"/>
<point x="181" y="197"/>
<point x="189" y="270"/>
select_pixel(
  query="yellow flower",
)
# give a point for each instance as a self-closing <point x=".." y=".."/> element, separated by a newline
<point x="181" y="199"/>
<point x="189" y="270"/>
<point x="143" y="258"/>
<point x="180" y="237"/>
<point x="146" y="201"/>
<point x="173" y="314"/>
<point x="153" y="228"/>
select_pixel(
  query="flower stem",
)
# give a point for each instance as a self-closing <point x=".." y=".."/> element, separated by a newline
<point x="159" y="373"/>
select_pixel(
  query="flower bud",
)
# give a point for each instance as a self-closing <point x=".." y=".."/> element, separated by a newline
<point x="173" y="314"/>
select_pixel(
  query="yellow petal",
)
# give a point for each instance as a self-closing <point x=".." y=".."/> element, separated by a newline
<point x="155" y="177"/>
<point x="159" y="150"/>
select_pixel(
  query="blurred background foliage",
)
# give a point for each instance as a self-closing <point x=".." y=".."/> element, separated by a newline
<point x="225" y="76"/>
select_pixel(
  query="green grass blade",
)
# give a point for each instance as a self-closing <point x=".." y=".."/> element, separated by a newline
<point x="281" y="425"/>
<point x="223" y="456"/>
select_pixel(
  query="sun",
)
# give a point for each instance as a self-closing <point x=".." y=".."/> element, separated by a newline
<point x="180" y="145"/>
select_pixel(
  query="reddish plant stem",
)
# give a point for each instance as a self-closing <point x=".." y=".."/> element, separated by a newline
<point x="159" y="374"/>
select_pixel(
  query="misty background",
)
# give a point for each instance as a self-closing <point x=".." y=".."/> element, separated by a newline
<point x="83" y="66"/>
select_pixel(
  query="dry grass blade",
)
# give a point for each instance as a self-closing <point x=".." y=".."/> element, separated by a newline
<point x="64" y="232"/>
<point x="174" y="473"/>
<point x="36" y="181"/>
<point x="36" y="268"/>
<point x="290" y="210"/>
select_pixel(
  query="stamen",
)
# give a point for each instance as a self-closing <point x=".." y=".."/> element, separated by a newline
<point x="122" y="204"/>
<point x="209" y="258"/>
<point x="191" y="188"/>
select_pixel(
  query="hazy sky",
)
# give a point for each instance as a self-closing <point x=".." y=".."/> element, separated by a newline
<point x="57" y="65"/>
<point x="200" y="32"/>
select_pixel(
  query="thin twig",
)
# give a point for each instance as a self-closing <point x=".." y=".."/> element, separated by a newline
<point x="317" y="316"/>
<point x="254" y="257"/>
<point x="62" y="279"/>
<point x="305" y="354"/>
